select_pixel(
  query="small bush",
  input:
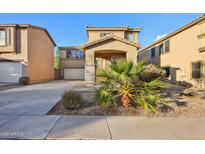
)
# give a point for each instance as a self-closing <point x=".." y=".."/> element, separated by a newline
<point x="24" y="80"/>
<point x="71" y="100"/>
<point x="152" y="72"/>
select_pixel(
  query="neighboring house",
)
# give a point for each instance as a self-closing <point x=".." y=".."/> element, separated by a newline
<point x="181" y="53"/>
<point x="26" y="50"/>
<point x="72" y="63"/>
<point x="103" y="45"/>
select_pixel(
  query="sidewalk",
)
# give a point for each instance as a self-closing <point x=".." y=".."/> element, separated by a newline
<point x="99" y="127"/>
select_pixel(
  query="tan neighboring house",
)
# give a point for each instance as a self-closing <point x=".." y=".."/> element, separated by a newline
<point x="181" y="53"/>
<point x="103" y="45"/>
<point x="26" y="50"/>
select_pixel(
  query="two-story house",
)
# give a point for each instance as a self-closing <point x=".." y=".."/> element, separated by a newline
<point x="181" y="53"/>
<point x="103" y="45"/>
<point x="26" y="50"/>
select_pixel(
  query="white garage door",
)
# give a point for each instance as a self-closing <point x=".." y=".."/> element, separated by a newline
<point x="10" y="71"/>
<point x="74" y="74"/>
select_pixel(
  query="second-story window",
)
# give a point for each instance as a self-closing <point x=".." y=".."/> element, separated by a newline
<point x="161" y="49"/>
<point x="153" y="52"/>
<point x="130" y="37"/>
<point x="166" y="44"/>
<point x="75" y="54"/>
<point x="164" y="47"/>
<point x="2" y="37"/>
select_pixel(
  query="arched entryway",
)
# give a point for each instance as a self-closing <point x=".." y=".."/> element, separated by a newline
<point x="106" y="49"/>
<point x="103" y="59"/>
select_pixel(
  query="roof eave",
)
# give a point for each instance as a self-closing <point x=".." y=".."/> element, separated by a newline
<point x="174" y="33"/>
<point x="69" y="47"/>
<point x="31" y="26"/>
<point x="91" y="28"/>
<point x="105" y="39"/>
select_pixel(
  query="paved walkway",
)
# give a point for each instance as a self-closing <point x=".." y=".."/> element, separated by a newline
<point x="99" y="127"/>
<point x="23" y="116"/>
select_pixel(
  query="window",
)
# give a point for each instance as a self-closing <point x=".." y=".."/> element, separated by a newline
<point x="136" y="38"/>
<point x="98" y="63"/>
<point x="196" y="70"/>
<point x="129" y="37"/>
<point x="2" y="37"/>
<point x="105" y="34"/>
<point x="161" y="49"/>
<point x="74" y="54"/>
<point x="166" y="44"/>
<point x="152" y="52"/>
<point x="164" y="47"/>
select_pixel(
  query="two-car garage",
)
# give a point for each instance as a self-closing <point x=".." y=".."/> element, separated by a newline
<point x="74" y="73"/>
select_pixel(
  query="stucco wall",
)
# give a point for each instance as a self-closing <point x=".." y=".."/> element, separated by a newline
<point x="41" y="56"/>
<point x="69" y="63"/>
<point x="112" y="45"/>
<point x="183" y="51"/>
<point x="95" y="35"/>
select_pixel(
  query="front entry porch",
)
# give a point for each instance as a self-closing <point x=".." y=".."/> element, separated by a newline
<point x="104" y="58"/>
<point x="100" y="53"/>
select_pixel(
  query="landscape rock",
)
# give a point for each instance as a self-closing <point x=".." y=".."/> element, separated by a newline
<point x="190" y="92"/>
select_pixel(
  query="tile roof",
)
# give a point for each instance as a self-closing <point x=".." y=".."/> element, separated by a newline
<point x="11" y="60"/>
<point x="123" y="28"/>
<point x="108" y="38"/>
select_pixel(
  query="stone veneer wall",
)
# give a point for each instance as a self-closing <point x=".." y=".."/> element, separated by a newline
<point x="90" y="73"/>
<point x="89" y="67"/>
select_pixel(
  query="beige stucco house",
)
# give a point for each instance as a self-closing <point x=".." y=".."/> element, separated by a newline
<point x="26" y="50"/>
<point x="103" y="45"/>
<point x="181" y="53"/>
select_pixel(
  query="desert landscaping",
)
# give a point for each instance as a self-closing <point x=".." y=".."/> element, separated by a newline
<point x="182" y="100"/>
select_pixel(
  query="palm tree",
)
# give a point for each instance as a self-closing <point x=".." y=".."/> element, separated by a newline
<point x="122" y="86"/>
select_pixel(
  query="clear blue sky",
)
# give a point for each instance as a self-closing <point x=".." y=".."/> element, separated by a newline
<point x="69" y="29"/>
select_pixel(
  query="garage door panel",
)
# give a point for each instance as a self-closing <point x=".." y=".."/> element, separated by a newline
<point x="10" y="71"/>
<point x="74" y="74"/>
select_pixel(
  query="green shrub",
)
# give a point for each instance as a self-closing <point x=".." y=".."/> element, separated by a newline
<point x="71" y="100"/>
<point x="104" y="97"/>
<point x="24" y="80"/>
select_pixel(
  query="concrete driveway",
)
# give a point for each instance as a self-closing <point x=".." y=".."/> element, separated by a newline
<point x="33" y="99"/>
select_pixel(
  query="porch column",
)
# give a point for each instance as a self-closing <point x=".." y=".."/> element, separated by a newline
<point x="89" y="67"/>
